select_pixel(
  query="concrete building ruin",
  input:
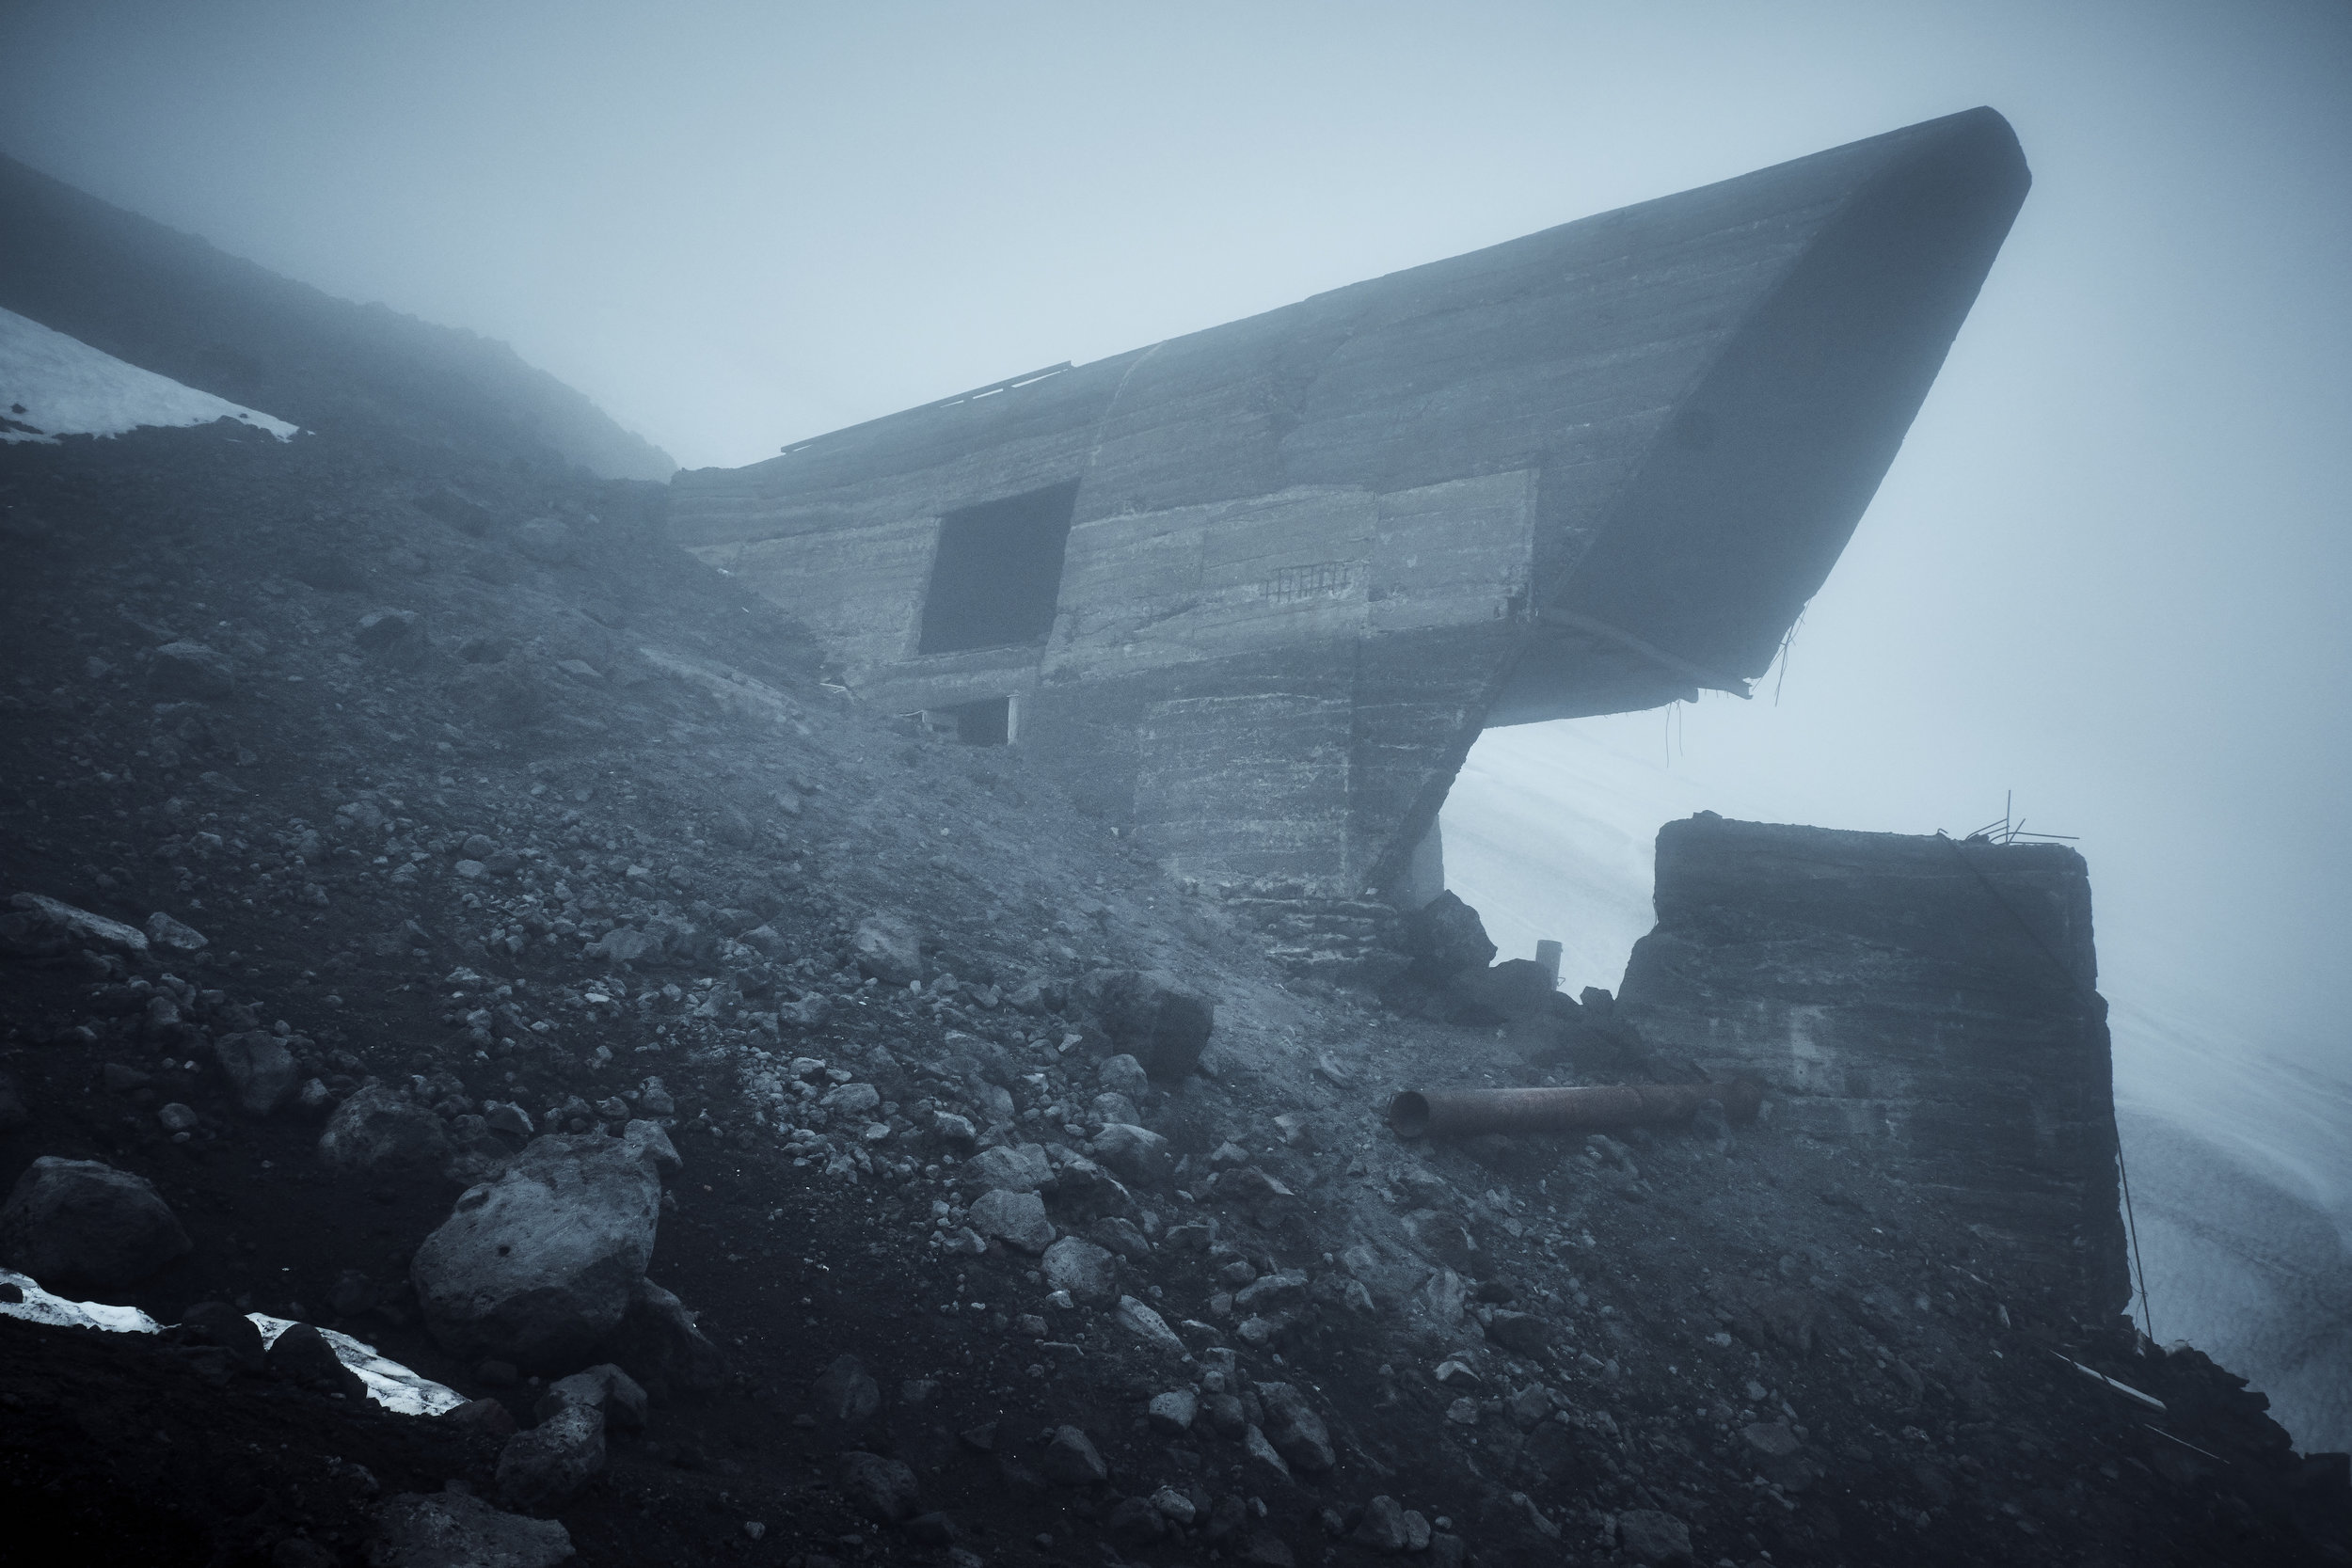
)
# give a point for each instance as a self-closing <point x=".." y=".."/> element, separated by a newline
<point x="1254" y="591"/>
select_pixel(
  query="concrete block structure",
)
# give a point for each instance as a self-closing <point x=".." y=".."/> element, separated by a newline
<point x="1926" y="1004"/>
<point x="1255" y="591"/>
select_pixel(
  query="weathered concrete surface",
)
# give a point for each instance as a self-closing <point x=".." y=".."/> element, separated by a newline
<point x="1926" y="1004"/>
<point x="1312" y="554"/>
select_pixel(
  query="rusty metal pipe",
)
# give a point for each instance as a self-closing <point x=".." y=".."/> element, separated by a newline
<point x="1464" y="1113"/>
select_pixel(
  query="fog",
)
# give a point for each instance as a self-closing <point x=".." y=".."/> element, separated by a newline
<point x="2107" y="572"/>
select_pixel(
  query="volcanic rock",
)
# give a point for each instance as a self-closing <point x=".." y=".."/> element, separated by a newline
<point x="456" y="1529"/>
<point x="376" y="1130"/>
<point x="1151" y="1016"/>
<point x="548" y="1465"/>
<point x="540" y="1264"/>
<point x="83" y="1222"/>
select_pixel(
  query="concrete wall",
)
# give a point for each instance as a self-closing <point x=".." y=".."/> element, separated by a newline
<point x="1926" y="1004"/>
<point x="1314" y="552"/>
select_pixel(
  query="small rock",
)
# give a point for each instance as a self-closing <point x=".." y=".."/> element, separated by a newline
<point x="1137" y="1154"/>
<point x="507" y="1118"/>
<point x="1382" y="1528"/>
<point x="1014" y="1167"/>
<point x="83" y="1222"/>
<point x="1082" y="1269"/>
<point x="177" y="1117"/>
<point x="1653" y="1539"/>
<point x="1148" y="1326"/>
<point x="883" y="1490"/>
<point x="302" y="1356"/>
<point x="456" y="1529"/>
<point x="846" y="1392"/>
<point x="164" y="932"/>
<point x="216" y="1323"/>
<point x="547" y="540"/>
<point x="1463" y="1411"/>
<point x="888" y="948"/>
<point x="1294" y="1429"/>
<point x="1530" y="1405"/>
<point x="1262" y="1465"/>
<point x="604" y="1387"/>
<point x="1172" y="1414"/>
<point x="956" y="1131"/>
<point x="1070" y="1460"/>
<point x="260" y="1067"/>
<point x="1173" y="1506"/>
<point x="385" y="630"/>
<point x="1270" y="1291"/>
<point x="1124" y="1075"/>
<point x="1265" y="1549"/>
<point x="377" y="1130"/>
<point x="1134" y="1522"/>
<point x="1521" y="1333"/>
<point x="192" y="670"/>
<point x="490" y="1416"/>
<point x="1017" y="1219"/>
<point x="1227" y="1414"/>
<point x="550" y="1463"/>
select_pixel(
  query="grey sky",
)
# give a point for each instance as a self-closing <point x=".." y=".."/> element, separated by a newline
<point x="2108" y="571"/>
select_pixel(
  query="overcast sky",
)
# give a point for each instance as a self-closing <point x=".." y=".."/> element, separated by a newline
<point x="2108" y="571"/>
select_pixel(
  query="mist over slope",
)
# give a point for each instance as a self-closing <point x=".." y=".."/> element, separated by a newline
<point x="2241" y="1180"/>
<point x="170" y="303"/>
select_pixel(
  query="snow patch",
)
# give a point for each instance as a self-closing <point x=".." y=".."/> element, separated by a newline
<point x="51" y="385"/>
<point x="389" y="1384"/>
<point x="39" y="1306"/>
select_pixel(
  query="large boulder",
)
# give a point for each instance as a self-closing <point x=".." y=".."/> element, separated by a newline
<point x="1151" y="1016"/>
<point x="540" y="1264"/>
<point x="260" y="1070"/>
<point x="376" y="1130"/>
<point x="82" y="1222"/>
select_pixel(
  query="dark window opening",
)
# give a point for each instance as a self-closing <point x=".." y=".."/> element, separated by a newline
<point x="997" y="572"/>
<point x="988" y="723"/>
